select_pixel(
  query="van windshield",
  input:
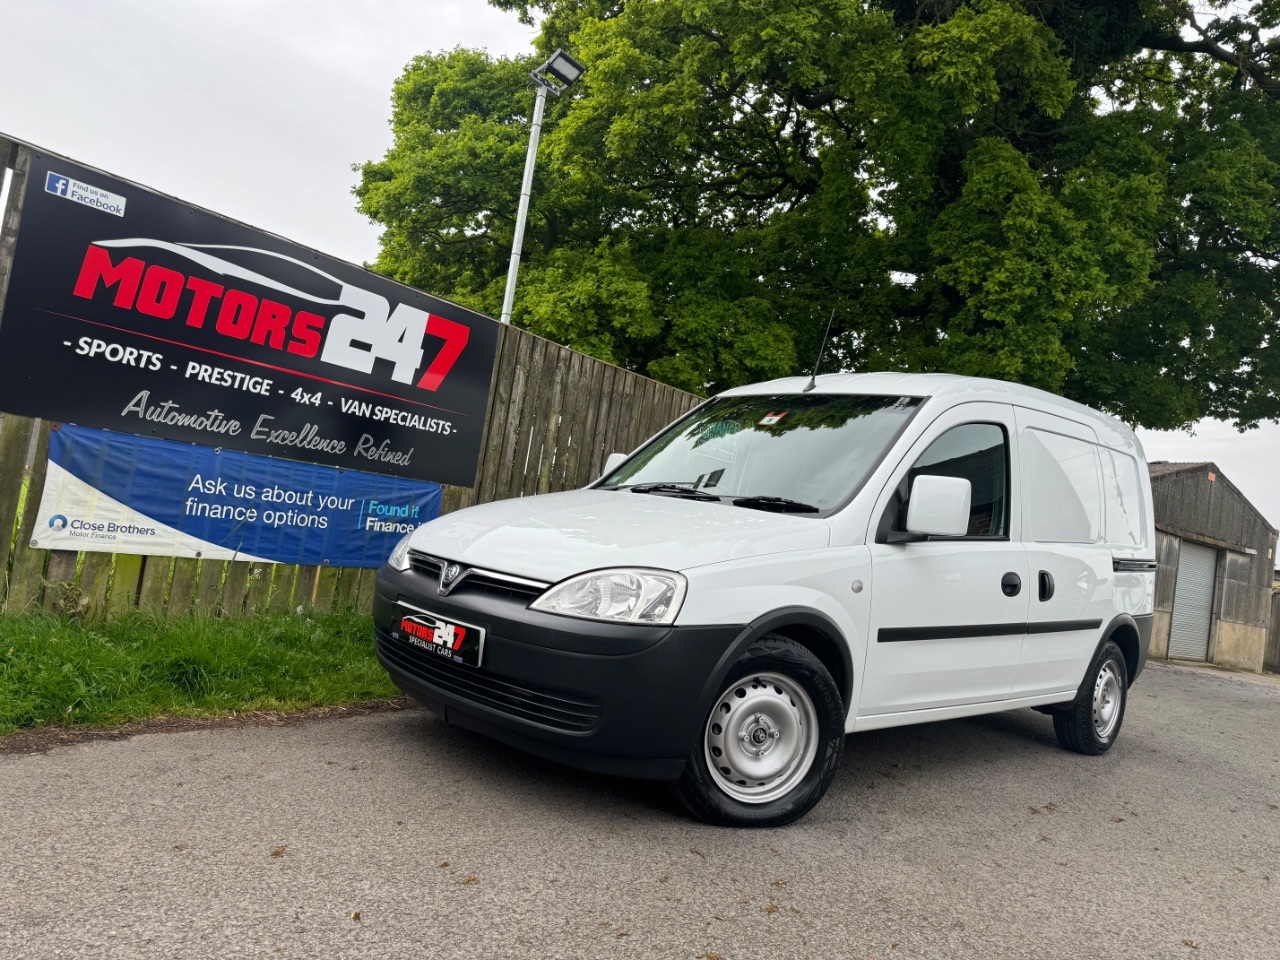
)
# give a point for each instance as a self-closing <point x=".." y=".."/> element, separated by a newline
<point x="812" y="450"/>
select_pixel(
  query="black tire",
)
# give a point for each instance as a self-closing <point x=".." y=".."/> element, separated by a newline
<point x="1077" y="726"/>
<point x="705" y="792"/>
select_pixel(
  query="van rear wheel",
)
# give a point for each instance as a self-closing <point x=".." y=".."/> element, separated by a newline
<point x="1091" y="723"/>
<point x="771" y="741"/>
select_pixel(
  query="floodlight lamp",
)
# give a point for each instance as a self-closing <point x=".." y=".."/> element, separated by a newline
<point x="559" y="72"/>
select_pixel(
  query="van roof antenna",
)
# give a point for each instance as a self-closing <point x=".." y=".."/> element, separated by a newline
<point x="813" y="377"/>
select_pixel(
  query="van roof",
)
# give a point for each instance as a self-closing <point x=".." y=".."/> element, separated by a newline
<point x="951" y="387"/>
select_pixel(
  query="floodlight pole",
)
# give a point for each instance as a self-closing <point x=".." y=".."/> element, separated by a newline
<point x="556" y="75"/>
<point x="508" y="298"/>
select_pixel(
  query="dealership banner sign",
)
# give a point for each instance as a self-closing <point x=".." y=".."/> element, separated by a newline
<point x="115" y="493"/>
<point x="134" y="312"/>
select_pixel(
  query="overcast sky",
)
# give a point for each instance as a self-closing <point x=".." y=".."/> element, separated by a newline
<point x="258" y="108"/>
<point x="253" y="108"/>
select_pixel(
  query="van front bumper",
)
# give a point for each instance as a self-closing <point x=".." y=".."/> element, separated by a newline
<point x="613" y="698"/>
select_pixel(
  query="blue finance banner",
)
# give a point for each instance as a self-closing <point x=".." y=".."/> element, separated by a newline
<point x="116" y="493"/>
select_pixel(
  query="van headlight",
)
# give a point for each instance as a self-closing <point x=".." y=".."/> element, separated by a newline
<point x="620" y="596"/>
<point x="399" y="559"/>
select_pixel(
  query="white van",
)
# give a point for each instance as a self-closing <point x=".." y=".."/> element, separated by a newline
<point x="784" y="565"/>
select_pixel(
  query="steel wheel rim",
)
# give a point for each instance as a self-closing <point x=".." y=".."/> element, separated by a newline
<point x="761" y="737"/>
<point x="1108" y="698"/>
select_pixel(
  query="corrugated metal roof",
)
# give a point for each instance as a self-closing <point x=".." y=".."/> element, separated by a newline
<point x="1184" y="503"/>
<point x="1160" y="468"/>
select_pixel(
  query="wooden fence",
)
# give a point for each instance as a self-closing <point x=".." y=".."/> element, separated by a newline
<point x="554" y="416"/>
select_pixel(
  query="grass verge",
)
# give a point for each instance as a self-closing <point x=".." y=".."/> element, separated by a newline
<point x="56" y="671"/>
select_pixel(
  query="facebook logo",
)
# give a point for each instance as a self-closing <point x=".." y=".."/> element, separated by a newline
<point x="77" y="191"/>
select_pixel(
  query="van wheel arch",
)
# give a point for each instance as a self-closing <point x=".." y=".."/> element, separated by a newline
<point x="811" y="629"/>
<point x="1123" y="632"/>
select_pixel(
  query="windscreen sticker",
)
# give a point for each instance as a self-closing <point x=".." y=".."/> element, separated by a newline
<point x="719" y="441"/>
<point x="771" y="418"/>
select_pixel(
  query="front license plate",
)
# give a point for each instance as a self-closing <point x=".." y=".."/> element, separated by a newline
<point x="459" y="642"/>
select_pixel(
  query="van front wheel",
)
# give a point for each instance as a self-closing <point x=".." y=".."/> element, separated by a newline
<point x="771" y="742"/>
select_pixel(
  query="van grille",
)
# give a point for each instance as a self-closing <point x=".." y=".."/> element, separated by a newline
<point x="551" y="708"/>
<point x="477" y="581"/>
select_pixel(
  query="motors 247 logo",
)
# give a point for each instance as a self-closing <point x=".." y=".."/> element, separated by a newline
<point x="351" y="329"/>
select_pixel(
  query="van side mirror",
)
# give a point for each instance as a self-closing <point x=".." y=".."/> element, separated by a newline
<point x="939" y="506"/>
<point x="612" y="462"/>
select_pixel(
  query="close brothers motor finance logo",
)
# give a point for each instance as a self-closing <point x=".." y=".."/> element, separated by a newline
<point x="361" y="326"/>
<point x="97" y="530"/>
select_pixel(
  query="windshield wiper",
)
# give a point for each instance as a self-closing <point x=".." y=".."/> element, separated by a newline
<point x="775" y="504"/>
<point x="673" y="490"/>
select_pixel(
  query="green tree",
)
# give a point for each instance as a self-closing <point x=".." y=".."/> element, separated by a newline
<point x="1075" y="194"/>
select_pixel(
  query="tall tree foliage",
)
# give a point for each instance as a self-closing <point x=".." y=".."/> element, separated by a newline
<point x="1075" y="194"/>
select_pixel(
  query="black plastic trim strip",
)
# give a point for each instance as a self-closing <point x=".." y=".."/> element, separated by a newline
<point x="958" y="632"/>
<point x="1133" y="566"/>
<point x="1063" y="626"/>
<point x="968" y="631"/>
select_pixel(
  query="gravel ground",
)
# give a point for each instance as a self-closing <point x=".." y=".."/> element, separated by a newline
<point x="391" y="835"/>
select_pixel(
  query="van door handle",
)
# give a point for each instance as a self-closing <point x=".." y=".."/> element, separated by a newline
<point x="1046" y="585"/>
<point x="1011" y="584"/>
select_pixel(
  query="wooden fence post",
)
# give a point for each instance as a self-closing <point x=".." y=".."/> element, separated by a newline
<point x="26" y="575"/>
<point x="255" y="601"/>
<point x="60" y="582"/>
<point x="209" y="586"/>
<point x="305" y="588"/>
<point x="345" y="589"/>
<point x="282" y="589"/>
<point x="95" y="574"/>
<point x="15" y="439"/>
<point x="11" y="218"/>
<point x="234" y="589"/>
<point x="326" y="585"/>
<point x="156" y="572"/>
<point x="368" y="581"/>
<point x="183" y="587"/>
<point x="123" y="599"/>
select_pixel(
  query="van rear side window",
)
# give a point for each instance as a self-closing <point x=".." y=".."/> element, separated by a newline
<point x="1066" y="500"/>
<point x="1122" y="492"/>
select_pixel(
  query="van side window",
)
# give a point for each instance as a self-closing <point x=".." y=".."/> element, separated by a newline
<point x="1062" y="482"/>
<point x="1122" y="493"/>
<point x="979" y="453"/>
